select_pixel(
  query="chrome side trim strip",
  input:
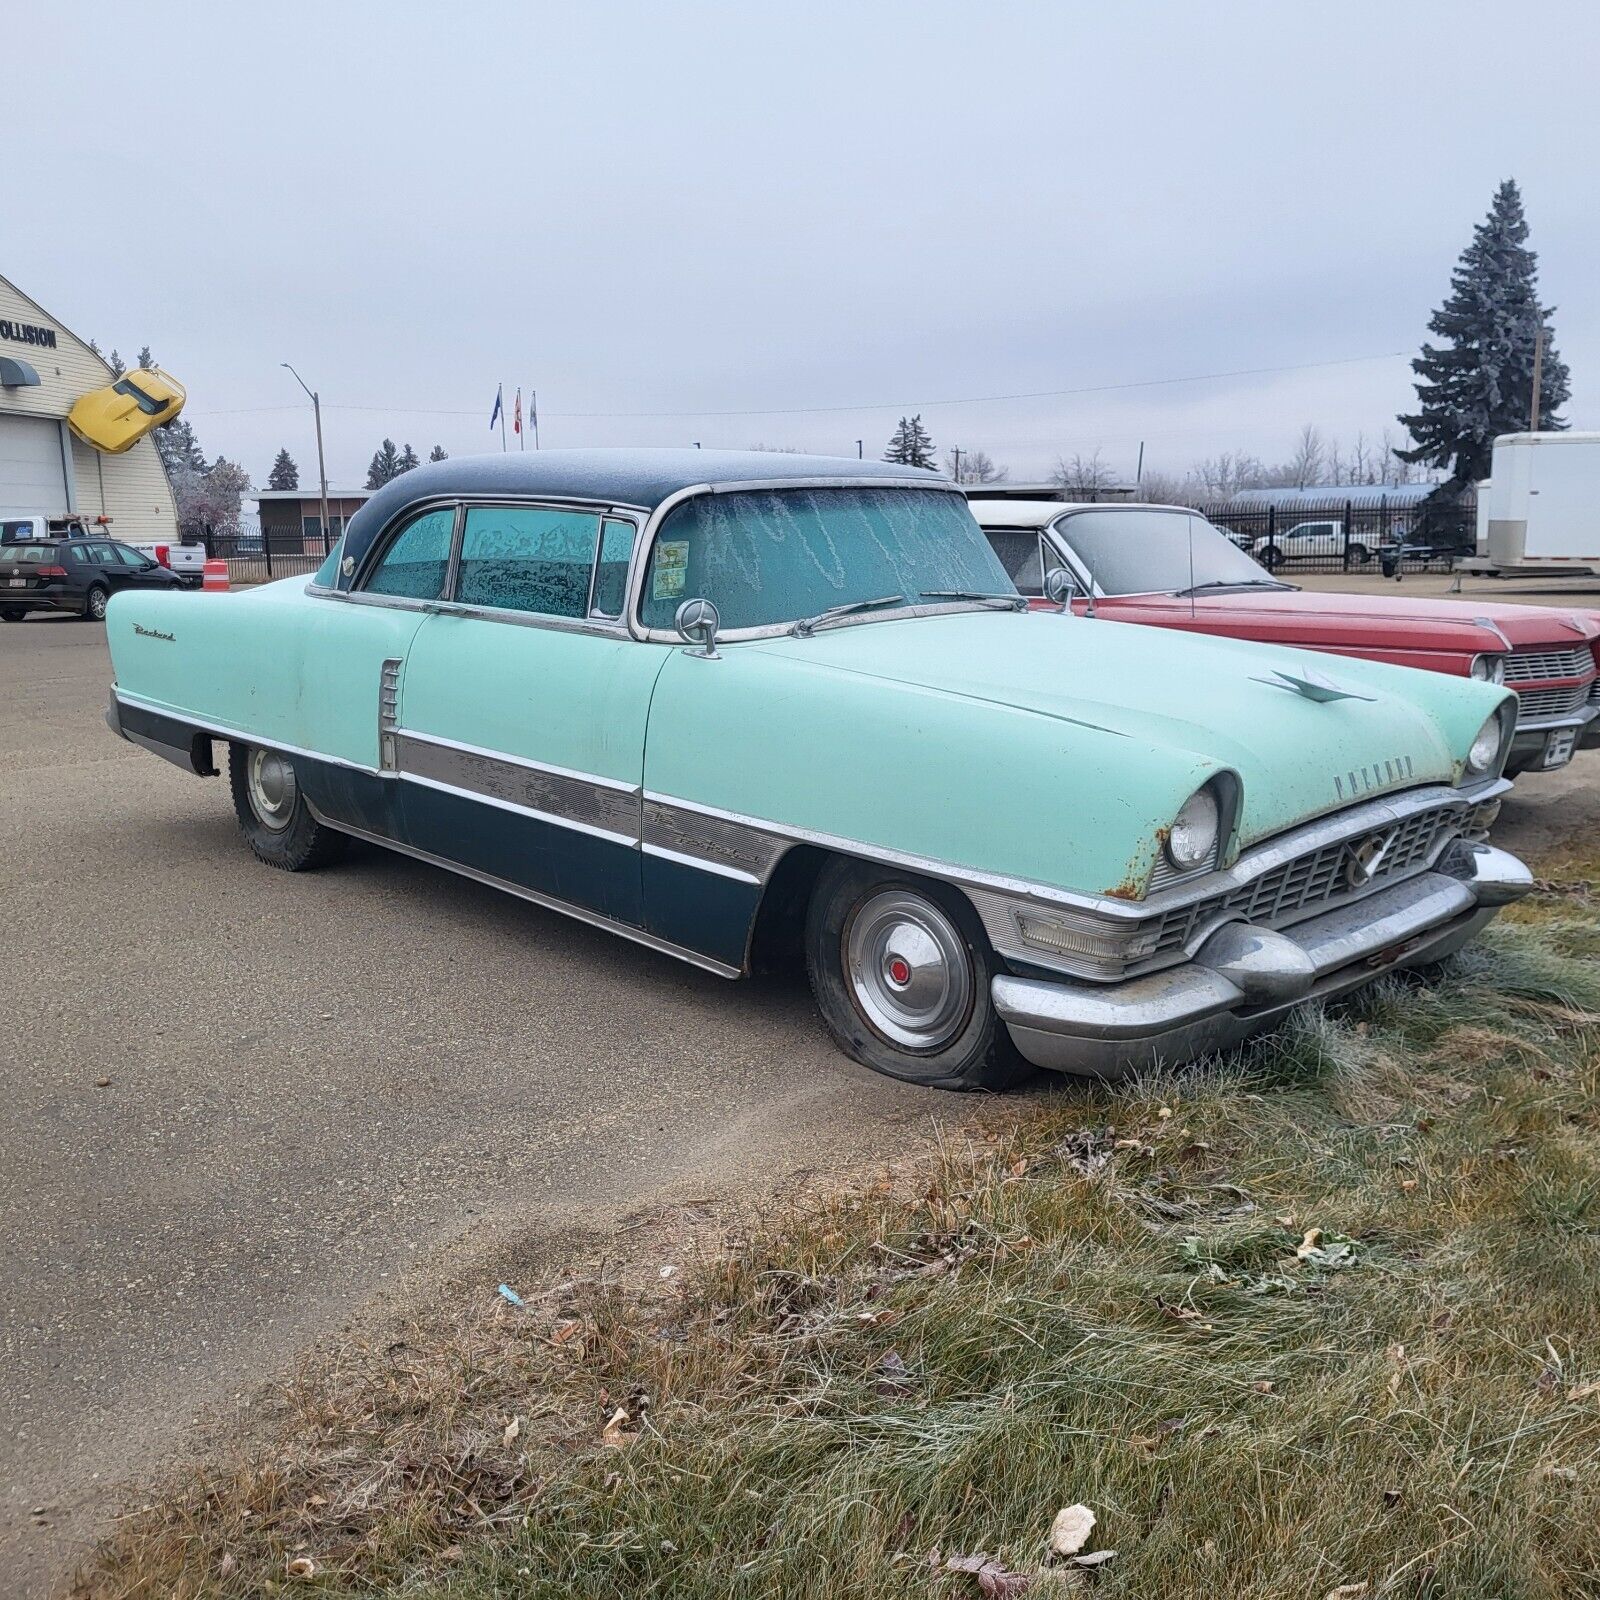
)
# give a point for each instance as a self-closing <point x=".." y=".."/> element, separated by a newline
<point x="626" y="840"/>
<point x="608" y="810"/>
<point x="565" y="907"/>
<point x="733" y="846"/>
<point x="700" y="863"/>
<point x="595" y="779"/>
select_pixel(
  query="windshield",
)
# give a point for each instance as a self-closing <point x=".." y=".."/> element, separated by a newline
<point x="1148" y="552"/>
<point x="766" y="557"/>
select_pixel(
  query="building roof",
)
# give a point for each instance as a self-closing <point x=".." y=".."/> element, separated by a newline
<point x="1004" y="490"/>
<point x="1365" y="495"/>
<point x="639" y="478"/>
<point x="313" y="493"/>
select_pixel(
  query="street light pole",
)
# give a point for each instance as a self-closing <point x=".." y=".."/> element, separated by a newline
<point x="322" y="466"/>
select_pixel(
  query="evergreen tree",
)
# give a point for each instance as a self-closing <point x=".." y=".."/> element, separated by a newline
<point x="285" y="474"/>
<point x="1480" y="383"/>
<point x="911" y="445"/>
<point x="385" y="465"/>
<point x="438" y="453"/>
<point x="116" y="363"/>
<point x="408" y="460"/>
<point x="178" y="448"/>
<point x="146" y="360"/>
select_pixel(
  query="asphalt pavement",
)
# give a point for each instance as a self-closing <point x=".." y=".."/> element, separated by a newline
<point x="239" y="1103"/>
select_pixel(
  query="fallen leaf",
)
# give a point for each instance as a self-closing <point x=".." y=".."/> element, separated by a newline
<point x="302" y="1567"/>
<point x="1583" y="1391"/>
<point x="513" y="1428"/>
<point x="451" y="1552"/>
<point x="1164" y="1113"/>
<point x="612" y="1435"/>
<point x="317" y="1500"/>
<point x="1070" y="1531"/>
<point x="1310" y="1243"/>
<point x="1263" y="1386"/>
<point x="995" y="1582"/>
<point x="564" y="1331"/>
<point x="1095" y="1558"/>
<point x="1346" y="1591"/>
<point x="228" y="1565"/>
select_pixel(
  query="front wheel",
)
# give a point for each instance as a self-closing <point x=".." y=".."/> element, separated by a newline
<point x="1360" y="554"/>
<point x="94" y="603"/>
<point x="900" y="969"/>
<point x="1271" y="558"/>
<point x="273" y="815"/>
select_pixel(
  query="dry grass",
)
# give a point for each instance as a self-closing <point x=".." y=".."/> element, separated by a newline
<point x="1113" y="1304"/>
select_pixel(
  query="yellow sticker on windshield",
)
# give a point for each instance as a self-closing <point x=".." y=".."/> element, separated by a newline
<point x="670" y="568"/>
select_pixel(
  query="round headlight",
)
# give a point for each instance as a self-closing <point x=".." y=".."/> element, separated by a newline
<point x="1489" y="669"/>
<point x="1485" y="751"/>
<point x="1193" y="840"/>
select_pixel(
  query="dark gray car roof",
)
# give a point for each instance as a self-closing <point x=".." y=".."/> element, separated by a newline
<point x="634" y="477"/>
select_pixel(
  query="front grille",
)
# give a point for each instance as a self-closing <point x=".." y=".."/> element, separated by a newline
<point x="1539" y="666"/>
<point x="1299" y="887"/>
<point x="1543" y="705"/>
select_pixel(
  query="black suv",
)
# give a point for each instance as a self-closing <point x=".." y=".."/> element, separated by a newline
<point x="77" y="575"/>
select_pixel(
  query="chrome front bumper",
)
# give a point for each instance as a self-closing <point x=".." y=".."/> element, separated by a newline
<point x="1244" y="978"/>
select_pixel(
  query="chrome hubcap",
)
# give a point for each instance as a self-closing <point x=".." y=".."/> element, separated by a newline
<point x="908" y="969"/>
<point x="272" y="789"/>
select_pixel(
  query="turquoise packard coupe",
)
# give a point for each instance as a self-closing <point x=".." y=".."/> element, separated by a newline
<point x="733" y="704"/>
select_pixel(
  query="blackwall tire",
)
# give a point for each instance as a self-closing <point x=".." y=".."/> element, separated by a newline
<point x="12" y="613"/>
<point x="1271" y="558"/>
<point x="273" y="815"/>
<point x="900" y="969"/>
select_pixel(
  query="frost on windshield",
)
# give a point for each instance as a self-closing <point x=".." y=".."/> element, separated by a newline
<point x="775" y="556"/>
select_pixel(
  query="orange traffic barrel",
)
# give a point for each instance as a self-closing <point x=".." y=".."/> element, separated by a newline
<point x="216" y="577"/>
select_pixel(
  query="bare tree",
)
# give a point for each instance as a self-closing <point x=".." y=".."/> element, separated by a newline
<point x="1088" y="477"/>
<point x="778" y="449"/>
<point x="972" y="466"/>
<point x="1306" y="465"/>
<point x="1226" y="474"/>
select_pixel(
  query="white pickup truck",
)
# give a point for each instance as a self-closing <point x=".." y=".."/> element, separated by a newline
<point x="186" y="558"/>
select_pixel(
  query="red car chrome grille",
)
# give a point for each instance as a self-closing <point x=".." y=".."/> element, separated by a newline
<point x="1543" y="705"/>
<point x="1539" y="666"/>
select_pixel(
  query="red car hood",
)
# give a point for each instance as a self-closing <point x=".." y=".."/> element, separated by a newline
<point x="1381" y="623"/>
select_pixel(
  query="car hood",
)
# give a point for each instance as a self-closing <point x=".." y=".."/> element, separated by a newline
<point x="1221" y="701"/>
<point x="1370" y="621"/>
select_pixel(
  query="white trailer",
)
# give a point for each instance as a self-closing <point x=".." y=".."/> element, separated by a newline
<point x="1540" y="507"/>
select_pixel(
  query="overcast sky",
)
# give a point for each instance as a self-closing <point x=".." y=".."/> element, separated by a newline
<point x="749" y="223"/>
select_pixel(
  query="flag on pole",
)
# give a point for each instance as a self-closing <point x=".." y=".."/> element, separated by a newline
<point x="495" y="415"/>
<point x="533" y="416"/>
<point x="516" y="414"/>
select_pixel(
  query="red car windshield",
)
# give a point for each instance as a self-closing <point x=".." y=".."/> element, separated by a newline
<point x="1140" y="550"/>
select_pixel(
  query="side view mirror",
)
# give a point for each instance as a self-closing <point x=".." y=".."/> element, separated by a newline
<point x="697" y="623"/>
<point x="1060" y="588"/>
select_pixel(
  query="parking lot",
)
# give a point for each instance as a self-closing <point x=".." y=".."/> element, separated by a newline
<point x="315" y="1082"/>
<point x="240" y="1102"/>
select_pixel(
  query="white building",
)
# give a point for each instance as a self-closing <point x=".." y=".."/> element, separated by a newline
<point x="44" y="368"/>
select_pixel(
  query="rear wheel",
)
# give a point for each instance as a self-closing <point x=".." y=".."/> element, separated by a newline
<point x="900" y="969"/>
<point x="1360" y="554"/>
<point x="273" y="815"/>
<point x="94" y="603"/>
<point x="12" y="613"/>
<point x="1271" y="557"/>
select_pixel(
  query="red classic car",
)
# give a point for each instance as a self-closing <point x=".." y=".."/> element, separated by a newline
<point x="1169" y="568"/>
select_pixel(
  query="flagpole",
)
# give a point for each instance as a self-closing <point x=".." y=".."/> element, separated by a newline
<point x="533" y="415"/>
<point x="502" y="418"/>
<point x="522" y="427"/>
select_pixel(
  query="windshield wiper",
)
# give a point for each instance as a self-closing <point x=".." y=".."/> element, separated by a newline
<point x="1011" y="602"/>
<point x="1234" y="583"/>
<point x="806" y="626"/>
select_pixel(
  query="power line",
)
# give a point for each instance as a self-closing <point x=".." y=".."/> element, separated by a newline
<point x="812" y="411"/>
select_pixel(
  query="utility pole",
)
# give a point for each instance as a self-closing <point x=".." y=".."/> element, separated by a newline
<point x="955" y="450"/>
<point x="1538" y="378"/>
<point x="858" y="449"/>
<point x="322" y="465"/>
<point x="1138" y="476"/>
